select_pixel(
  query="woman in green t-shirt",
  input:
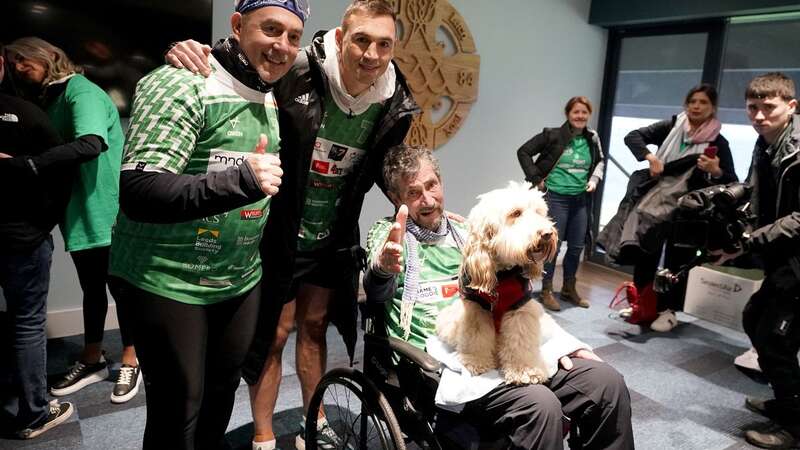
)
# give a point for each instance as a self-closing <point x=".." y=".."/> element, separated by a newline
<point x="85" y="116"/>
<point x="568" y="168"/>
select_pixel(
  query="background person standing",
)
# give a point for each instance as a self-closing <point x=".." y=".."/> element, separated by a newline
<point x="570" y="164"/>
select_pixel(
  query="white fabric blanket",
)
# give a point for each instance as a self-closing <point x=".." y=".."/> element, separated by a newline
<point x="458" y="386"/>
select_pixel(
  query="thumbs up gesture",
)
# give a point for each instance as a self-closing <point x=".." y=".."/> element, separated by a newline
<point x="266" y="167"/>
<point x="390" y="259"/>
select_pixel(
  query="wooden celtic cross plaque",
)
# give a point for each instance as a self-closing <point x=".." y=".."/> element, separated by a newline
<point x="436" y="52"/>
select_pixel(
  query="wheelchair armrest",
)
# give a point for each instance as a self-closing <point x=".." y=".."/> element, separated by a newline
<point x="425" y="361"/>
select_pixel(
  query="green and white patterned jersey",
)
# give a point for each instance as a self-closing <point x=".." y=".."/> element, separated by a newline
<point x="571" y="172"/>
<point x="186" y="124"/>
<point x="438" y="281"/>
<point x="338" y="153"/>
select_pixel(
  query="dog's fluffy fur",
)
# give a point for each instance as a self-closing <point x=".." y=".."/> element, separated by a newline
<point x="507" y="228"/>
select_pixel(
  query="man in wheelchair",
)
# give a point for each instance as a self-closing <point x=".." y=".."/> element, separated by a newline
<point x="413" y="266"/>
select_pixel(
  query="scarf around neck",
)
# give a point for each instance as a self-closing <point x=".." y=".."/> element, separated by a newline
<point x="415" y="235"/>
<point x="381" y="90"/>
<point x="695" y="142"/>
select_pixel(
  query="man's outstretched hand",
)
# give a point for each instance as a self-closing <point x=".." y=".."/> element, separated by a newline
<point x="390" y="259"/>
<point x="190" y="55"/>
<point x="566" y="361"/>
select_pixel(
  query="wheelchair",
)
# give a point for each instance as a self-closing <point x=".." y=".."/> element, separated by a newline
<point x="390" y="405"/>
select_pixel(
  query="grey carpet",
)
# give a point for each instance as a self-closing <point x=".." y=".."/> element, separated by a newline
<point x="686" y="392"/>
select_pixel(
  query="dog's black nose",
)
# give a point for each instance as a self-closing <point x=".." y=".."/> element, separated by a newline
<point x="546" y="236"/>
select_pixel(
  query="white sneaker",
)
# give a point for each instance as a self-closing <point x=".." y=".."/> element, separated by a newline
<point x="748" y="360"/>
<point x="666" y="321"/>
<point x="129" y="379"/>
<point x="59" y="412"/>
<point x="79" y="376"/>
<point x="266" y="445"/>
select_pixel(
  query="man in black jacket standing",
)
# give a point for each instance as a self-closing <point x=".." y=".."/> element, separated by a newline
<point x="35" y="192"/>
<point x="341" y="106"/>
<point x="772" y="317"/>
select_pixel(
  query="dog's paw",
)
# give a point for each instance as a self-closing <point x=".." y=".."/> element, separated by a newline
<point x="525" y="375"/>
<point x="477" y="366"/>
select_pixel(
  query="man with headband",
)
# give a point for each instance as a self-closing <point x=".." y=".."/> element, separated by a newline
<point x="342" y="105"/>
<point x="199" y="169"/>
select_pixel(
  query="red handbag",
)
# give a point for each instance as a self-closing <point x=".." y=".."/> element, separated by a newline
<point x="643" y="304"/>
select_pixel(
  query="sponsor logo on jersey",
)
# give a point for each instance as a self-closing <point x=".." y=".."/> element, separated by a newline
<point x="246" y="241"/>
<point x="337" y="152"/>
<point x="192" y="267"/>
<point x="234" y="132"/>
<point x="216" y="218"/>
<point x="321" y="184"/>
<point x="320" y="166"/>
<point x="338" y="160"/>
<point x="220" y="160"/>
<point x="449" y="290"/>
<point x="214" y="283"/>
<point x="435" y="291"/>
<point x="251" y="214"/>
<point x="207" y="240"/>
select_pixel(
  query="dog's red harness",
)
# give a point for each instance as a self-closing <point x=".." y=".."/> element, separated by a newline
<point x="512" y="291"/>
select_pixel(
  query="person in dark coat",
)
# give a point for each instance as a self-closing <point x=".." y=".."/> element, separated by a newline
<point x="569" y="166"/>
<point x="691" y="154"/>
<point x="35" y="168"/>
<point x="341" y="106"/>
<point x="771" y="317"/>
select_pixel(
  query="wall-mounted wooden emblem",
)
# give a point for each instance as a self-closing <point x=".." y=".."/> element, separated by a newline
<point x="437" y="54"/>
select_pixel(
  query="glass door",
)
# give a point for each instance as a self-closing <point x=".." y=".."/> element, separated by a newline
<point x="654" y="74"/>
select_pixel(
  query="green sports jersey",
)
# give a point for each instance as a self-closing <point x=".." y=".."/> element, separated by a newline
<point x="438" y="282"/>
<point x="338" y="152"/>
<point x="186" y="124"/>
<point x="571" y="172"/>
<point x="84" y="109"/>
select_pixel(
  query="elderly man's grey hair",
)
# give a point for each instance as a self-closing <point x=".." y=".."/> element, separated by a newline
<point x="403" y="162"/>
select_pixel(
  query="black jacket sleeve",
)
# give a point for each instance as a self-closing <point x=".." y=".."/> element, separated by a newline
<point x="655" y="134"/>
<point x="535" y="145"/>
<point x="779" y="237"/>
<point x="83" y="149"/>
<point x="725" y="162"/>
<point x="157" y="197"/>
<point x="379" y="288"/>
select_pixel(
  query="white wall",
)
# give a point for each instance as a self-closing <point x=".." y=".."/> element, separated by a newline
<point x="535" y="54"/>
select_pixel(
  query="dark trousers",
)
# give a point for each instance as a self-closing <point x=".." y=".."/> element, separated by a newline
<point x="570" y="214"/>
<point x="593" y="395"/>
<point x="191" y="357"/>
<point x="770" y="319"/>
<point x="25" y="280"/>
<point x="92" y="268"/>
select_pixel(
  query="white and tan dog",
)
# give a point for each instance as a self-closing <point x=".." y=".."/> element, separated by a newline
<point x="495" y="325"/>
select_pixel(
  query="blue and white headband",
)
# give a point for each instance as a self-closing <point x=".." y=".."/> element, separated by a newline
<point x="299" y="7"/>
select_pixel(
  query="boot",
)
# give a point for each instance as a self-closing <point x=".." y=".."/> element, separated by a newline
<point x="570" y="294"/>
<point x="547" y="298"/>
<point x="773" y="437"/>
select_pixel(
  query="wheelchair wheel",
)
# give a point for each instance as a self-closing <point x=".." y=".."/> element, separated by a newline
<point x="356" y="411"/>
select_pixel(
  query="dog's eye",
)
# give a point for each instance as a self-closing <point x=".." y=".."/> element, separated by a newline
<point x="515" y="213"/>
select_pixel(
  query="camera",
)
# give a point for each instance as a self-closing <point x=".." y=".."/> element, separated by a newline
<point x="708" y="219"/>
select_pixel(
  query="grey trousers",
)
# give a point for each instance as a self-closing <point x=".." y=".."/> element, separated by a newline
<point x="593" y="395"/>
